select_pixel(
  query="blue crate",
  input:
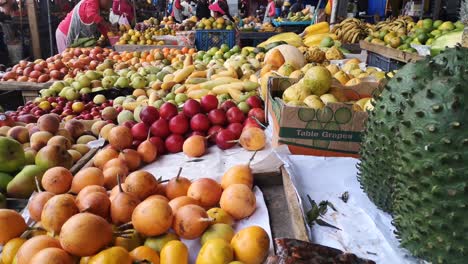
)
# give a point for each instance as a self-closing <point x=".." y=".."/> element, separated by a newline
<point x="206" y="39"/>
<point x="382" y="62"/>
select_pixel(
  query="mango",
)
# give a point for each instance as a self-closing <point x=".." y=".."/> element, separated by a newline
<point x="215" y="251"/>
<point x="218" y="231"/>
<point x="158" y="242"/>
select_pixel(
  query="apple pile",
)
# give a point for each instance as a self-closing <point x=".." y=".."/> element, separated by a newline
<point x="58" y="67"/>
<point x="168" y="128"/>
<point x="84" y="108"/>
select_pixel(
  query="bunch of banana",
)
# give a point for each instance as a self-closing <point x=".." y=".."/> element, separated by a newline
<point x="402" y="24"/>
<point x="351" y="30"/>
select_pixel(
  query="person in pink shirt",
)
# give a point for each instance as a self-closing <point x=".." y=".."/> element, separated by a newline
<point x="123" y="8"/>
<point x="83" y="21"/>
<point x="269" y="12"/>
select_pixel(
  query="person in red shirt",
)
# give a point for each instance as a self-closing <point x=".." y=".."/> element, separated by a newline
<point x="123" y="8"/>
<point x="83" y="21"/>
<point x="177" y="11"/>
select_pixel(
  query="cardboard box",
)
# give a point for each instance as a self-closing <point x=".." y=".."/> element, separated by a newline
<point x="334" y="130"/>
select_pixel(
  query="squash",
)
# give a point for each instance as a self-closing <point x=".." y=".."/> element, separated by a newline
<point x="285" y="54"/>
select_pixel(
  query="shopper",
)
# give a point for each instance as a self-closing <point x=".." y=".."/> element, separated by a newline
<point x="297" y="7"/>
<point x="270" y="12"/>
<point x="83" y="21"/>
<point x="202" y="9"/>
<point x="121" y="9"/>
<point x="177" y="9"/>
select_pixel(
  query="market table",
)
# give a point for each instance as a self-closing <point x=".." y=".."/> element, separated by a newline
<point x="26" y="91"/>
<point x="253" y="38"/>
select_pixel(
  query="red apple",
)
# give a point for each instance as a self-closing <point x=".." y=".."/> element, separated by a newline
<point x="191" y="107"/>
<point x="235" y="115"/>
<point x="217" y="117"/>
<point x="212" y="132"/>
<point x="250" y="122"/>
<point x="200" y="122"/>
<point x="258" y="113"/>
<point x="198" y="133"/>
<point x="128" y="124"/>
<point x="174" y="143"/>
<point x="159" y="143"/>
<point x="160" y="128"/>
<point x="179" y="124"/>
<point x="235" y="128"/>
<point x="168" y="111"/>
<point x="227" y="104"/>
<point x="254" y="102"/>
<point x="208" y="103"/>
<point x="136" y="143"/>
<point x="140" y="131"/>
<point x="224" y="138"/>
<point x="149" y="115"/>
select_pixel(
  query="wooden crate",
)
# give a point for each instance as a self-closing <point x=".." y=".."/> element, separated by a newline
<point x="286" y="218"/>
<point x="29" y="90"/>
<point x="390" y="52"/>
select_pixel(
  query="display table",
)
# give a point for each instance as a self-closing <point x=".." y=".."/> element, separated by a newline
<point x="253" y="38"/>
<point x="365" y="230"/>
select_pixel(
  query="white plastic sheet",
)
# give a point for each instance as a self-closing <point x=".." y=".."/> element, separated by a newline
<point x="365" y="230"/>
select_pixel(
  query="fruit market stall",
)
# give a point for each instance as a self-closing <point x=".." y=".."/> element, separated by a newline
<point x="177" y="155"/>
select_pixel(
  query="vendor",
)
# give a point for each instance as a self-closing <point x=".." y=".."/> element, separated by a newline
<point x="220" y="8"/>
<point x="202" y="9"/>
<point x="121" y="8"/>
<point x="270" y="12"/>
<point x="177" y="9"/>
<point x="83" y="21"/>
<point x="297" y="7"/>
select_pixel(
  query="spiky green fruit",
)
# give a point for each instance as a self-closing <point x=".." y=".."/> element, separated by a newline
<point x="431" y="183"/>
<point x="377" y="149"/>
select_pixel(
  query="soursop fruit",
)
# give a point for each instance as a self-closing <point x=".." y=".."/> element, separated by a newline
<point x="415" y="153"/>
<point x="377" y="153"/>
<point x="431" y="192"/>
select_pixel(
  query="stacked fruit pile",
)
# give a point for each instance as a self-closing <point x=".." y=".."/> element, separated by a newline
<point x="352" y="30"/>
<point x="145" y="37"/>
<point x="60" y="66"/>
<point x="170" y="130"/>
<point x="28" y="151"/>
<point x="401" y="32"/>
<point x="214" y="23"/>
<point x="79" y="109"/>
<point x="140" y="219"/>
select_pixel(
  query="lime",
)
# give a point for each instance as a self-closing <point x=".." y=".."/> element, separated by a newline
<point x="235" y="49"/>
<point x="224" y="48"/>
<point x="427" y="23"/>
<point x="227" y="55"/>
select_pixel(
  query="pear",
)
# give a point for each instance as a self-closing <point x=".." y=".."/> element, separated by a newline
<point x="122" y="82"/>
<point x="24" y="184"/>
<point x="11" y="155"/>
